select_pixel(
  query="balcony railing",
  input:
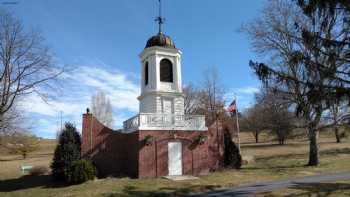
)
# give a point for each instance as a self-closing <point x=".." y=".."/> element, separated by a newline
<point x="145" y="121"/>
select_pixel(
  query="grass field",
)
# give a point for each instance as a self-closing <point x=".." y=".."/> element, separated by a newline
<point x="272" y="162"/>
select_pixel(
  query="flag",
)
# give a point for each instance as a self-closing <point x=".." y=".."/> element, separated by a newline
<point x="232" y="107"/>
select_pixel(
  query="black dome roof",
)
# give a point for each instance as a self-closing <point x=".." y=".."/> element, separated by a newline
<point x="160" y="40"/>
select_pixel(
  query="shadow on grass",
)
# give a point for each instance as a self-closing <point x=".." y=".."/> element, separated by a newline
<point x="336" y="151"/>
<point x="277" y="167"/>
<point x="270" y="145"/>
<point x="277" y="162"/>
<point x="131" y="191"/>
<point x="17" y="157"/>
<point x="331" y="152"/>
<point x="26" y="182"/>
<point x="321" y="189"/>
<point x="12" y="159"/>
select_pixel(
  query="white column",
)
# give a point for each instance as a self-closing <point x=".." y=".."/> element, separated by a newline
<point x="143" y="76"/>
<point x="178" y="74"/>
<point x="157" y="73"/>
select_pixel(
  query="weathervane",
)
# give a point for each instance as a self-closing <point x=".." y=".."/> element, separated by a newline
<point x="160" y="19"/>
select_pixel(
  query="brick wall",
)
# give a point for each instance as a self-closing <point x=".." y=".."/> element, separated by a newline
<point x="112" y="152"/>
<point x="116" y="153"/>
<point x="216" y="146"/>
<point x="153" y="158"/>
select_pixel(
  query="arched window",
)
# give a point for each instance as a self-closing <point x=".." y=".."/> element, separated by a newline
<point x="146" y="73"/>
<point x="166" y="71"/>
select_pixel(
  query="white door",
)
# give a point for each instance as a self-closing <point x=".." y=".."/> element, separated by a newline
<point x="168" y="110"/>
<point x="175" y="158"/>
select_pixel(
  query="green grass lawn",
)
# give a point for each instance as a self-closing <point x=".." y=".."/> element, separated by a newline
<point x="272" y="162"/>
<point x="10" y="165"/>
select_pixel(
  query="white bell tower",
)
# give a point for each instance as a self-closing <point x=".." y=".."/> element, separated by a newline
<point x="162" y="99"/>
<point x="161" y="85"/>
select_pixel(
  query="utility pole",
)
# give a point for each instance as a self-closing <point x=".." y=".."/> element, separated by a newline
<point x="237" y="123"/>
<point x="233" y="109"/>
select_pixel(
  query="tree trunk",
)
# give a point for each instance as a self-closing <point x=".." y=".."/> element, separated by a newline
<point x="256" y="137"/>
<point x="283" y="140"/>
<point x="337" y="136"/>
<point x="314" y="148"/>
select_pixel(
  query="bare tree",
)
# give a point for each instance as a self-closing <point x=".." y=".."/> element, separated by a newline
<point x="26" y="65"/>
<point x="11" y="121"/>
<point x="335" y="112"/>
<point x="22" y="143"/>
<point x="102" y="109"/>
<point x="336" y="117"/>
<point x="277" y="116"/>
<point x="253" y="121"/>
<point x="192" y="99"/>
<point x="189" y="99"/>
<point x="271" y="113"/>
<point x="212" y="95"/>
<point x="278" y="33"/>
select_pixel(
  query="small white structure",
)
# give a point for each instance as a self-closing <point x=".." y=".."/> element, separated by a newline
<point x="161" y="88"/>
<point x="162" y="99"/>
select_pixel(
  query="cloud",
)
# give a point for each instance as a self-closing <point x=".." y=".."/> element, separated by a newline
<point x="35" y="104"/>
<point x="117" y="85"/>
<point x="244" y="95"/>
<point x="248" y="90"/>
<point x="74" y="96"/>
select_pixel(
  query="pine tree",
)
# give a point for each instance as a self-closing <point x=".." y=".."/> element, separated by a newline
<point x="232" y="157"/>
<point x="67" y="151"/>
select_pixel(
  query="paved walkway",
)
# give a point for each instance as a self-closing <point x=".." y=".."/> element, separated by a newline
<point x="249" y="190"/>
<point x="181" y="178"/>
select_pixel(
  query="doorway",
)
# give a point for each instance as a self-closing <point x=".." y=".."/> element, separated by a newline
<point x="175" y="158"/>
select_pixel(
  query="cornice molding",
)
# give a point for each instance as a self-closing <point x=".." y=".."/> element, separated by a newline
<point x="161" y="93"/>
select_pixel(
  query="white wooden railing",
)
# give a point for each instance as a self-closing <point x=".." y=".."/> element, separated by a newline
<point x="148" y="121"/>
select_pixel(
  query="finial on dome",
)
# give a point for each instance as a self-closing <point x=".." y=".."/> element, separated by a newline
<point x="160" y="40"/>
<point x="160" y="19"/>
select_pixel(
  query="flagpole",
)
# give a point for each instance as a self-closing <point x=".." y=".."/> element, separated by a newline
<point x="237" y="123"/>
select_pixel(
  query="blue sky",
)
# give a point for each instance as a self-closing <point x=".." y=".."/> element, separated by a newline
<point x="101" y="40"/>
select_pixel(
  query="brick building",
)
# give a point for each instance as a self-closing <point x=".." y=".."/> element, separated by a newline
<point x="161" y="140"/>
<point x="144" y="153"/>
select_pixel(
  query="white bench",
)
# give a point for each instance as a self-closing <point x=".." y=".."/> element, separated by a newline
<point x="26" y="169"/>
